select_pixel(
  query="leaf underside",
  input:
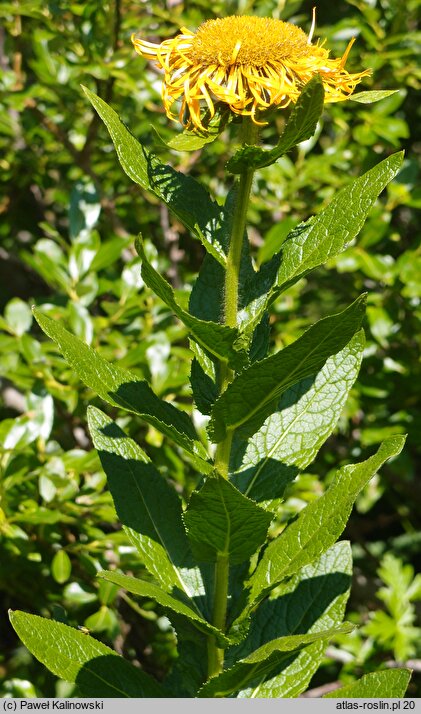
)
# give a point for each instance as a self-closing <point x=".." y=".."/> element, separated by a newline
<point x="253" y="395"/>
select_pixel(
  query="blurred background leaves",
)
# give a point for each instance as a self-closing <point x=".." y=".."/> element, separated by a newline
<point x="68" y="221"/>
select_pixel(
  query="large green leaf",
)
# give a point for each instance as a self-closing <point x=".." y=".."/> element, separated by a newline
<point x="327" y="234"/>
<point x="263" y="661"/>
<point x="319" y="525"/>
<point x="171" y="603"/>
<point x="290" y="438"/>
<point x="300" y="126"/>
<point x="387" y="684"/>
<point x="77" y="657"/>
<point x="146" y="504"/>
<point x="123" y="389"/>
<point x="323" y="236"/>
<point x="254" y="394"/>
<point x="185" y="197"/>
<point x="221" y="341"/>
<point x="313" y="600"/>
<point x="221" y="522"/>
<point x="293" y="677"/>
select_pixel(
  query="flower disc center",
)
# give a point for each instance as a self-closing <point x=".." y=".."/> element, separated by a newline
<point x="244" y="40"/>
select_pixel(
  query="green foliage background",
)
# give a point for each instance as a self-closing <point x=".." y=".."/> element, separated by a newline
<point x="69" y="218"/>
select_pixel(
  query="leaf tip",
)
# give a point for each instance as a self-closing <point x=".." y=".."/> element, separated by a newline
<point x="91" y="96"/>
<point x="400" y="440"/>
<point x="13" y="616"/>
<point x="38" y="315"/>
<point x="391" y="447"/>
<point x="347" y="627"/>
<point x="92" y="413"/>
<point x="86" y="91"/>
<point x="361" y="301"/>
<point x="138" y="244"/>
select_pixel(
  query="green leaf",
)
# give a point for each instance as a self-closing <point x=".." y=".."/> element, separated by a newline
<point x="35" y="423"/>
<point x="103" y="620"/>
<point x="61" y="567"/>
<point x="312" y="243"/>
<point x="203" y="379"/>
<point x="319" y="525"/>
<point x="264" y="661"/>
<point x="373" y="96"/>
<point x="293" y="678"/>
<point x="150" y="510"/>
<point x="290" y="438"/>
<point x="313" y="600"/>
<point x="77" y="657"/>
<point x="301" y="126"/>
<point x="322" y="237"/>
<point x="189" y="670"/>
<point x="221" y="522"/>
<point x="221" y="341"/>
<point x="49" y="261"/>
<point x="168" y="602"/>
<point x="18" y="316"/>
<point x="395" y="629"/>
<point x="146" y="504"/>
<point x="190" y="141"/>
<point x="185" y="197"/>
<point x="109" y="252"/>
<point x="301" y="604"/>
<point x="400" y="582"/>
<point x="123" y="389"/>
<point x="254" y="394"/>
<point x="387" y="684"/>
<point x="197" y="139"/>
<point x="207" y="296"/>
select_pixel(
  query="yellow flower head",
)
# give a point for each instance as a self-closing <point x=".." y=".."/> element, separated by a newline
<point x="248" y="63"/>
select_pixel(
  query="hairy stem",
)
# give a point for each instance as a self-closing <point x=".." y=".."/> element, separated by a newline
<point x="223" y="451"/>
<point x="215" y="653"/>
<point x="232" y="275"/>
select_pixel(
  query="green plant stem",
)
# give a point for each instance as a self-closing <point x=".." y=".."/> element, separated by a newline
<point x="232" y="280"/>
<point x="215" y="653"/>
<point x="232" y="274"/>
<point x="223" y="451"/>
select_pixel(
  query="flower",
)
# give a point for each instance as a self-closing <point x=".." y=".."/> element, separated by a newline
<point x="248" y="63"/>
